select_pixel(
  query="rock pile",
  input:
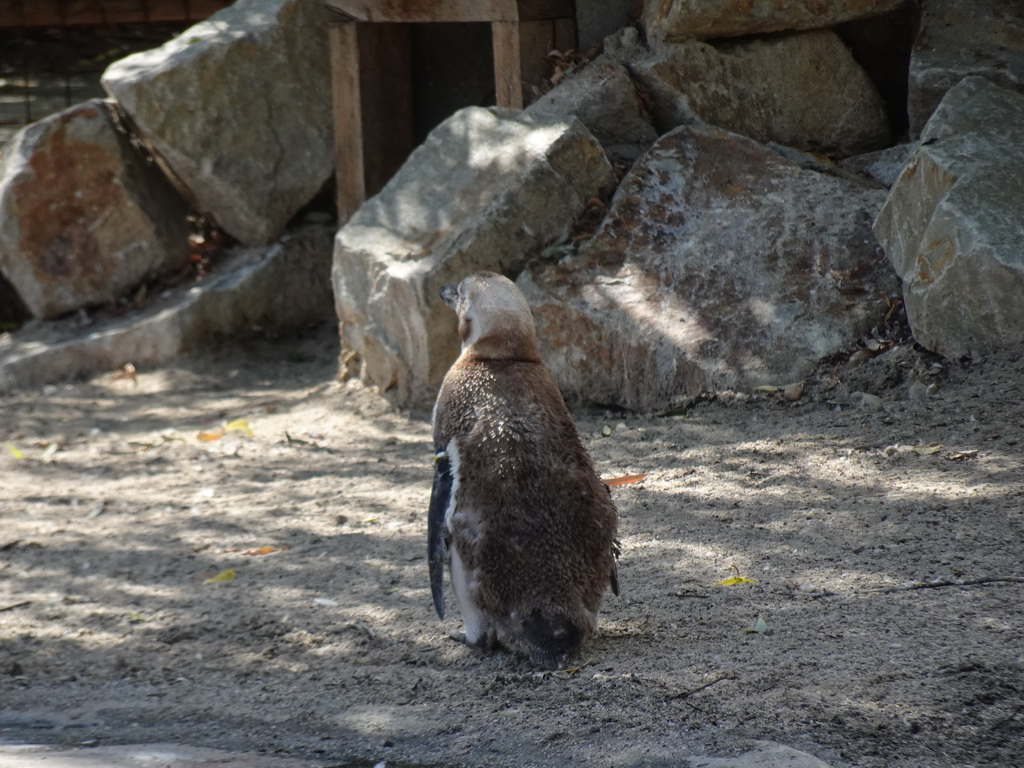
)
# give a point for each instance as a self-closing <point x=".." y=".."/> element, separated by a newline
<point x="236" y="113"/>
<point x="954" y="222"/>
<point x="741" y="246"/>
<point x="720" y="199"/>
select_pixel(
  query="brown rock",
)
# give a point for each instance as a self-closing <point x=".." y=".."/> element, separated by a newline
<point x="83" y="215"/>
<point x="803" y="90"/>
<point x="720" y="264"/>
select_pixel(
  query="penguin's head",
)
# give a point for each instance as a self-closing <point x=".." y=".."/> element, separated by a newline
<point x="494" y="318"/>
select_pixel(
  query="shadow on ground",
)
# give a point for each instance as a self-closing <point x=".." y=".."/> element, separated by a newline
<point x="883" y="627"/>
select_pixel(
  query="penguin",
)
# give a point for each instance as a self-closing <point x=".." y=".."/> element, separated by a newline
<point x="517" y="513"/>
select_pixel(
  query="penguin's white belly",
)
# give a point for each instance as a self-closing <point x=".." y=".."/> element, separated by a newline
<point x="477" y="625"/>
<point x="463" y="581"/>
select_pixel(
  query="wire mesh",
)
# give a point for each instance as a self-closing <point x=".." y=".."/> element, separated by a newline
<point x="53" y="52"/>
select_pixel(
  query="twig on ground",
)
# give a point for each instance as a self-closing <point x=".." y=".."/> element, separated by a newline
<point x="686" y="694"/>
<point x="941" y="584"/>
<point x="929" y="585"/>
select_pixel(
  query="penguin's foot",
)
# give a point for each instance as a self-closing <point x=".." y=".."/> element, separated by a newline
<point x="487" y="642"/>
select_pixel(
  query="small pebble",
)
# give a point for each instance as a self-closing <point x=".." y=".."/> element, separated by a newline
<point x="793" y="391"/>
<point x="870" y="402"/>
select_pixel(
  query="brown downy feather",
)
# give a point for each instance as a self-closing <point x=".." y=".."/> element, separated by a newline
<point x="533" y="523"/>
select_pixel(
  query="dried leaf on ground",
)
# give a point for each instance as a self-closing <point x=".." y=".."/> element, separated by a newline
<point x="625" y="479"/>
<point x="732" y="581"/>
<point x="239" y="425"/>
<point x="262" y="550"/>
<point x="228" y="574"/>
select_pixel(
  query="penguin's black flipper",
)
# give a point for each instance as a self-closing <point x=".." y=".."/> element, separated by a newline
<point x="440" y="498"/>
<point x="616" y="551"/>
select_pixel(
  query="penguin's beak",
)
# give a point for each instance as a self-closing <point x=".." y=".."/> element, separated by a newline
<point x="450" y="295"/>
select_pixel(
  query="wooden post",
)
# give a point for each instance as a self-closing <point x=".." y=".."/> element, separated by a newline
<point x="371" y="91"/>
<point x="348" y="119"/>
<point x="371" y="65"/>
<point x="508" y="78"/>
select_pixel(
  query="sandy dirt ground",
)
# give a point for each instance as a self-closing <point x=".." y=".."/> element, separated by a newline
<point x="230" y="552"/>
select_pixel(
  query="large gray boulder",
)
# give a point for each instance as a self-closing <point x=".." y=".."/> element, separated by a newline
<point x="83" y="216"/>
<point x="238" y="108"/>
<point x="801" y="89"/>
<point x="952" y="225"/>
<point x="958" y="39"/>
<point x="704" y="19"/>
<point x="720" y="264"/>
<point x="487" y="187"/>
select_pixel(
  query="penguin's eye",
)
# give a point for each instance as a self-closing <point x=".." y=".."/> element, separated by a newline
<point x="465" y="325"/>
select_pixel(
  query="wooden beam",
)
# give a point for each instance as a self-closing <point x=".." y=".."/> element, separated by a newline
<point x="372" y="102"/>
<point x="372" y="75"/>
<point x="348" y="119"/>
<point x="55" y="13"/>
<point x="508" y="78"/>
<point x="421" y="11"/>
<point x="535" y="10"/>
